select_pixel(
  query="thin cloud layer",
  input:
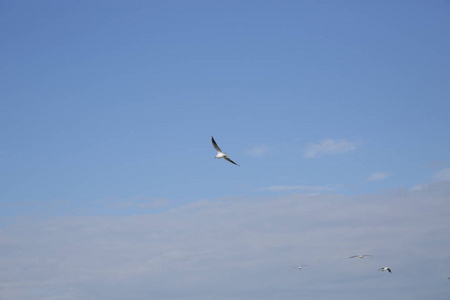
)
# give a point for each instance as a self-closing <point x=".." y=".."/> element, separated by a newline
<point x="240" y="248"/>
<point x="378" y="176"/>
<point x="329" y="146"/>
<point x="302" y="188"/>
<point x="258" y="150"/>
<point x="443" y="175"/>
<point x="142" y="202"/>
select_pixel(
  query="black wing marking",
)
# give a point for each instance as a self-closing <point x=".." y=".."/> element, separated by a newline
<point x="215" y="144"/>
<point x="231" y="161"/>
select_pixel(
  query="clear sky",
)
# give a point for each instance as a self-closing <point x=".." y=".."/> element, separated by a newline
<point x="337" y="111"/>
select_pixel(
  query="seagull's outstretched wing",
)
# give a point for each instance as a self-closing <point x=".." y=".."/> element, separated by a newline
<point x="215" y="145"/>
<point x="231" y="161"/>
<point x="353" y="256"/>
<point x="385" y="269"/>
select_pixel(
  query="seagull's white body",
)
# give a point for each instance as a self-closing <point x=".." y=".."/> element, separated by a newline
<point x="385" y="269"/>
<point x="299" y="267"/>
<point x="220" y="153"/>
<point x="360" y="256"/>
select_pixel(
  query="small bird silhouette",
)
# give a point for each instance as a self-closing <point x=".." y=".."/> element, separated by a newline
<point x="360" y="256"/>
<point x="385" y="269"/>
<point x="299" y="267"/>
<point x="220" y="153"/>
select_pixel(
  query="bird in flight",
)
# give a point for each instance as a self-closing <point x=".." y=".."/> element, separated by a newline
<point x="299" y="267"/>
<point x="360" y="256"/>
<point x="220" y="153"/>
<point x="385" y="269"/>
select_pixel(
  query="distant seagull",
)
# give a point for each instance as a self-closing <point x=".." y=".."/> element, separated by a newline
<point x="221" y="154"/>
<point x="299" y="267"/>
<point x="385" y="269"/>
<point x="360" y="256"/>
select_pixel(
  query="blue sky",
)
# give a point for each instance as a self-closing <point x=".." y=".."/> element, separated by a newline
<point x="108" y="108"/>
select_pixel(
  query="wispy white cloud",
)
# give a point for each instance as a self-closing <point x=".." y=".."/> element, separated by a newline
<point x="330" y="146"/>
<point x="442" y="175"/>
<point x="142" y="202"/>
<point x="378" y="176"/>
<point x="303" y="188"/>
<point x="258" y="150"/>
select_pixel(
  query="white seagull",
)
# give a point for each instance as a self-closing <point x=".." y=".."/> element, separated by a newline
<point x="299" y="267"/>
<point x="360" y="256"/>
<point x="221" y="154"/>
<point x="385" y="269"/>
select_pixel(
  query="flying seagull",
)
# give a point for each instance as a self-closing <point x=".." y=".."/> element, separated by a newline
<point x="221" y="154"/>
<point x="299" y="267"/>
<point x="360" y="256"/>
<point x="385" y="269"/>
